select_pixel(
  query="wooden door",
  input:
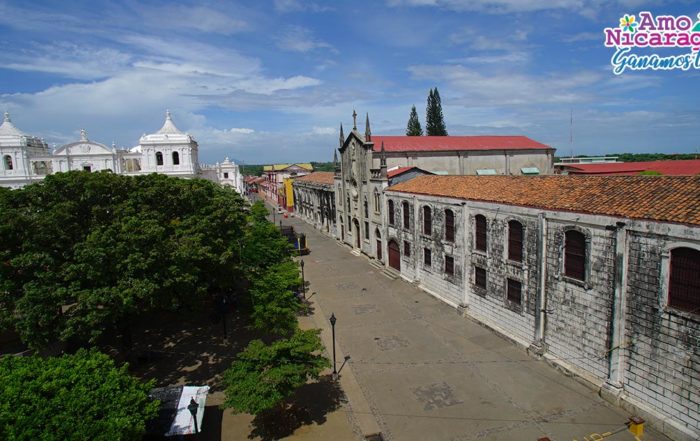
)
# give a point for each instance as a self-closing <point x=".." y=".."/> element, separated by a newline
<point x="394" y="255"/>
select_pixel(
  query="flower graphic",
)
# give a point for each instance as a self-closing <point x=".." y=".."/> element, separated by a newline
<point x="628" y="23"/>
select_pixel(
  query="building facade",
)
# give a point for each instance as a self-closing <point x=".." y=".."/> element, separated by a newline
<point x="274" y="188"/>
<point x="27" y="159"/>
<point x="369" y="163"/>
<point x="599" y="275"/>
<point x="314" y="200"/>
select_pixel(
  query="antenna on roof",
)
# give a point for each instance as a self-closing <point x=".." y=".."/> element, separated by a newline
<point x="571" y="133"/>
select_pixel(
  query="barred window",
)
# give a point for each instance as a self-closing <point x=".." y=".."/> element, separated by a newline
<point x="481" y="239"/>
<point x="427" y="221"/>
<point x="515" y="241"/>
<point x="449" y="265"/>
<point x="575" y="255"/>
<point x="684" y="280"/>
<point x="514" y="293"/>
<point x="480" y="277"/>
<point x="449" y="226"/>
<point x="406" y="215"/>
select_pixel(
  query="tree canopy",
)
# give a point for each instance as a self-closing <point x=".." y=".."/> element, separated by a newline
<point x="275" y="306"/>
<point x="80" y="252"/>
<point x="413" y="127"/>
<point x="74" y="397"/>
<point x="434" y="119"/>
<point x="263" y="376"/>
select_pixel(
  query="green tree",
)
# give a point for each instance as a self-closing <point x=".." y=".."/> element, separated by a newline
<point x="263" y="376"/>
<point x="413" y="127"/>
<point x="74" y="397"/>
<point x="434" y="120"/>
<point x="275" y="306"/>
<point x="84" y="252"/>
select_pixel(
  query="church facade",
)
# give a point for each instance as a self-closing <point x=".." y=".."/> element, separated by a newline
<point x="367" y="163"/>
<point x="26" y="159"/>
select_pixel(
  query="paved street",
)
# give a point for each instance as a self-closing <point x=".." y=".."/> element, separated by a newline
<point x="419" y="371"/>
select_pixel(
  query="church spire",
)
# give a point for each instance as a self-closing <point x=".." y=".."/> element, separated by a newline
<point x="368" y="132"/>
<point x="382" y="156"/>
<point x="83" y="135"/>
<point x="7" y="117"/>
<point x="342" y="135"/>
<point x="354" y="119"/>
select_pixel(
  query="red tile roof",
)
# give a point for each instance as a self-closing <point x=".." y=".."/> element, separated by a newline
<point x="317" y="178"/>
<point x="660" y="198"/>
<point x="686" y="167"/>
<point x="454" y="143"/>
<point x="398" y="171"/>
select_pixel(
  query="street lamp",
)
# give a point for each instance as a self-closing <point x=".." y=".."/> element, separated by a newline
<point x="193" y="406"/>
<point x="333" y="320"/>
<point x="303" y="280"/>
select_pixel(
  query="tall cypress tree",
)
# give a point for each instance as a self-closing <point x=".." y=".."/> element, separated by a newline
<point x="434" y="120"/>
<point x="413" y="128"/>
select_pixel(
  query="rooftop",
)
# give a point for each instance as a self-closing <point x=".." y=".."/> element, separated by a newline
<point x="318" y="178"/>
<point x="685" y="167"/>
<point x="455" y="143"/>
<point x="659" y="198"/>
<point x="279" y="167"/>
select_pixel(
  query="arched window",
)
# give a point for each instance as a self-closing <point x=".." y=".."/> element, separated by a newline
<point x="406" y="215"/>
<point x="366" y="207"/>
<point x="575" y="255"/>
<point x="159" y="158"/>
<point x="176" y="160"/>
<point x="7" y="159"/>
<point x="427" y="220"/>
<point x="377" y="206"/>
<point x="684" y="280"/>
<point x="449" y="226"/>
<point x="515" y="241"/>
<point x="481" y="238"/>
<point x="347" y="201"/>
<point x="391" y="212"/>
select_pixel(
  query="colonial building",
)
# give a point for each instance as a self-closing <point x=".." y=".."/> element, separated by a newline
<point x="26" y="159"/>
<point x="366" y="161"/>
<point x="598" y="274"/>
<point x="314" y="200"/>
<point x="274" y="188"/>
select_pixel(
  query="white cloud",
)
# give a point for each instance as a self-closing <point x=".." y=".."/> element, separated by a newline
<point x="242" y="130"/>
<point x="324" y="130"/>
<point x="199" y="18"/>
<point x="300" y="39"/>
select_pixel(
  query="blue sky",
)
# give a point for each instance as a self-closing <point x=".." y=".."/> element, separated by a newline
<point x="270" y="81"/>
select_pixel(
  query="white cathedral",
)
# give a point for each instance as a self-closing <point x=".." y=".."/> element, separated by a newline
<point x="25" y="159"/>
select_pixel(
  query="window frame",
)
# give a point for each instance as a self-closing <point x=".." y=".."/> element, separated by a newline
<point x="159" y="159"/>
<point x="693" y="309"/>
<point x="510" y="282"/>
<point x="176" y="158"/>
<point x="427" y="257"/>
<point x="427" y="220"/>
<point x="7" y="162"/>
<point x="406" y="248"/>
<point x="406" y="214"/>
<point x="509" y="246"/>
<point x="451" y="266"/>
<point x="568" y="269"/>
<point x="481" y="239"/>
<point x="391" y="214"/>
<point x="449" y="227"/>
<point x="485" y="285"/>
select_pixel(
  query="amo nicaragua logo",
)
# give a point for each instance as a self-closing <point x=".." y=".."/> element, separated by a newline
<point x="654" y="32"/>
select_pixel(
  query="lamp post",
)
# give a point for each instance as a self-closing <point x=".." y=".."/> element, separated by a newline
<point x="333" y="320"/>
<point x="193" y="406"/>
<point x="223" y="306"/>
<point x="303" y="279"/>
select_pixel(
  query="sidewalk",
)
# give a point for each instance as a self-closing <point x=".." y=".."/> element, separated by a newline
<point x="417" y="370"/>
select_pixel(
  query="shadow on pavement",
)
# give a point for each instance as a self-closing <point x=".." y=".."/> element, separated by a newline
<point x="309" y="405"/>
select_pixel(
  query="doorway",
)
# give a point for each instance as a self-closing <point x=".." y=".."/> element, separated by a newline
<point x="394" y="255"/>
